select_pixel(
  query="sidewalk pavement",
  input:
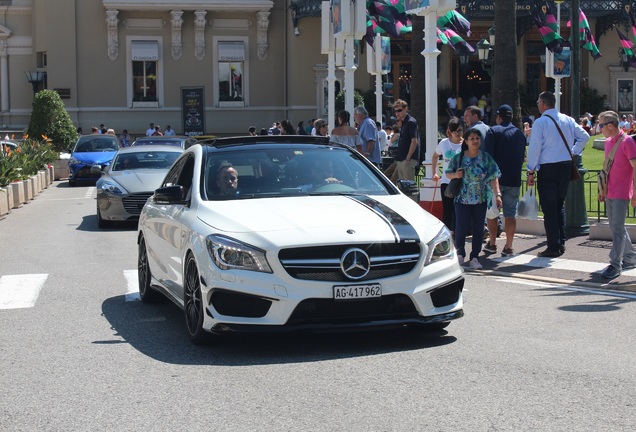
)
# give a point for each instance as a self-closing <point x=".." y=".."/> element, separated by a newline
<point x="580" y="265"/>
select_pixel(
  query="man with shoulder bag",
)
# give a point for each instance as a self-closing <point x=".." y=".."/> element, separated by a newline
<point x="616" y="189"/>
<point x="554" y="138"/>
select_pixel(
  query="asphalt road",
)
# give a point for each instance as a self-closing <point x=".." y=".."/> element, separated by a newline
<point x="527" y="356"/>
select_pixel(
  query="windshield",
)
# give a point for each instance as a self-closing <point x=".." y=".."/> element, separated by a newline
<point x="97" y="143"/>
<point x="289" y="171"/>
<point x="144" y="160"/>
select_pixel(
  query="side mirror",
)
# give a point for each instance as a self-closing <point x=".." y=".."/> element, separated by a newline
<point x="169" y="195"/>
<point x="96" y="169"/>
<point x="408" y="187"/>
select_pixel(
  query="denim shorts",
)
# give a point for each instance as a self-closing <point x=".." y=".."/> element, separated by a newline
<point x="510" y="198"/>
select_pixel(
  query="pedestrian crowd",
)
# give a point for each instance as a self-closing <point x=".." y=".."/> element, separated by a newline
<point x="489" y="163"/>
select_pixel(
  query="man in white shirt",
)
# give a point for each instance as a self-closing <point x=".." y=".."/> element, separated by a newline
<point x="382" y="137"/>
<point x="150" y="130"/>
<point x="452" y="104"/>
<point x="169" y="131"/>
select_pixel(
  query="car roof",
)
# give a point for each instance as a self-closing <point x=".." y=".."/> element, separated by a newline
<point x="162" y="138"/>
<point x="268" y="139"/>
<point x="93" y="136"/>
<point x="150" y="148"/>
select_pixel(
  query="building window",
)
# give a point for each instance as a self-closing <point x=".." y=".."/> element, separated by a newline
<point x="144" y="81"/>
<point x="231" y="70"/>
<point x="144" y="71"/>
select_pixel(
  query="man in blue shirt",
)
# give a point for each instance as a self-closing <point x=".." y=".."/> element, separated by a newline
<point x="369" y="134"/>
<point x="550" y="159"/>
<point x="507" y="145"/>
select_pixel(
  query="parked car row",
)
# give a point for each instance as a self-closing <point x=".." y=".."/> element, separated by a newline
<point x="278" y="233"/>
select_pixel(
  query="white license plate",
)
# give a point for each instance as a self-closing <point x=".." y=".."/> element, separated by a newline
<point x="348" y="292"/>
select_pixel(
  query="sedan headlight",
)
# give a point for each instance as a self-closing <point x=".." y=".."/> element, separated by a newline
<point x="73" y="161"/>
<point x="229" y="254"/>
<point x="112" y="187"/>
<point x="441" y="247"/>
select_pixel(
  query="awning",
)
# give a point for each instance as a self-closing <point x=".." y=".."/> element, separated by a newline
<point x="145" y="51"/>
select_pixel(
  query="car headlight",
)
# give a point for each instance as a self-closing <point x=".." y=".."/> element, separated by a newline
<point x="73" y="161"/>
<point x="441" y="247"/>
<point x="229" y="254"/>
<point x="112" y="187"/>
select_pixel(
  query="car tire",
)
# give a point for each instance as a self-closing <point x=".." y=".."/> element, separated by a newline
<point x="193" y="304"/>
<point x="147" y="293"/>
<point x="101" y="222"/>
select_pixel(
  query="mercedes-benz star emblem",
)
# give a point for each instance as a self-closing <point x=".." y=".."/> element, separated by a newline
<point x="355" y="263"/>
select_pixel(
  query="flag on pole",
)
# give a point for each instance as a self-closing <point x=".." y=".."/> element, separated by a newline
<point x="586" y="38"/>
<point x="548" y="27"/>
<point x="455" y="21"/>
<point x="457" y="42"/>
<point x="628" y="48"/>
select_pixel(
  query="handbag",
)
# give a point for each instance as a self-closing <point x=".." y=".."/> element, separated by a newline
<point x="603" y="175"/>
<point x="574" y="171"/>
<point x="453" y="188"/>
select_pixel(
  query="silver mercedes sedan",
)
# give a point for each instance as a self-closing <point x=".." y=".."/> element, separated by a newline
<point x="130" y="180"/>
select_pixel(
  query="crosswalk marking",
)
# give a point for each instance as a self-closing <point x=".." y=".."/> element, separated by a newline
<point x="89" y="192"/>
<point x="20" y="291"/>
<point x="557" y="263"/>
<point x="132" y="285"/>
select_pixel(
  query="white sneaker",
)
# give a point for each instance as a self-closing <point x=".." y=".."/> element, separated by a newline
<point x="460" y="258"/>
<point x="474" y="264"/>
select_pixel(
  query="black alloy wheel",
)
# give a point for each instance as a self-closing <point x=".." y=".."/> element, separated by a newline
<point x="193" y="305"/>
<point x="146" y="292"/>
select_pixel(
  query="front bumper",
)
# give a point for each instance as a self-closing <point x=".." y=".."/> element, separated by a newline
<point x="121" y="207"/>
<point x="341" y="327"/>
<point x="238" y="312"/>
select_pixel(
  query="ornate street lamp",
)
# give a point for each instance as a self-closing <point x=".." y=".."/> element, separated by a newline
<point x="484" y="52"/>
<point x="35" y="78"/>
<point x="624" y="59"/>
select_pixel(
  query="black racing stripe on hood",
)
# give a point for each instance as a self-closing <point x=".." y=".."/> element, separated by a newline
<point x="402" y="229"/>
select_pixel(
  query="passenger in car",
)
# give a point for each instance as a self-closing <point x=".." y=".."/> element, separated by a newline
<point x="321" y="174"/>
<point x="227" y="180"/>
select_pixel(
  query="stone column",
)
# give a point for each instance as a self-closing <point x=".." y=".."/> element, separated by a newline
<point x="112" y="23"/>
<point x="176" y="20"/>
<point x="4" y="77"/>
<point x="199" y="34"/>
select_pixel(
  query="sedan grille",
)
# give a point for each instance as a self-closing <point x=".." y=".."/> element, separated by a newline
<point x="323" y="263"/>
<point x="390" y="307"/>
<point x="85" y="173"/>
<point x="133" y="203"/>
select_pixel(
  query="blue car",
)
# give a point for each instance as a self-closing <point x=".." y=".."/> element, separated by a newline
<point x="91" y="154"/>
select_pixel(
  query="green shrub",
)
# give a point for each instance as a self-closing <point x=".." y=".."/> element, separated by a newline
<point x="50" y="120"/>
<point x="591" y="101"/>
<point x="358" y="100"/>
<point x="26" y="160"/>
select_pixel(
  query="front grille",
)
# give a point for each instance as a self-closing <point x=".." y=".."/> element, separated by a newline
<point x="85" y="173"/>
<point x="448" y="294"/>
<point x="329" y="311"/>
<point x="133" y="203"/>
<point x="322" y="263"/>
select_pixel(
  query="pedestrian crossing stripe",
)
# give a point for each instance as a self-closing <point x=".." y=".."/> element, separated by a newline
<point x="20" y="291"/>
<point x="132" y="285"/>
<point x="557" y="264"/>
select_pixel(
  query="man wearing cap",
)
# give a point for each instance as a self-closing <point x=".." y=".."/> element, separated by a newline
<point x="624" y="123"/>
<point x="507" y="145"/>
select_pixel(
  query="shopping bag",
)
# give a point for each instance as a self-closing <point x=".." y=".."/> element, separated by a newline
<point x="452" y="190"/>
<point x="493" y="211"/>
<point x="528" y="207"/>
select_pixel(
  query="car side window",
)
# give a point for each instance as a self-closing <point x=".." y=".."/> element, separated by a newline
<point x="172" y="177"/>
